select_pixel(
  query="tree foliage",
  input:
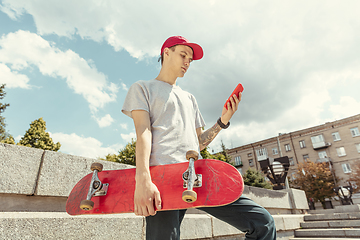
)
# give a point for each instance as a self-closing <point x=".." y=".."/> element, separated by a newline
<point x="254" y="178"/>
<point x="355" y="176"/>
<point x="222" y="156"/>
<point x="316" y="179"/>
<point x="3" y="134"/>
<point x="9" y="140"/>
<point x="125" y="156"/>
<point x="37" y="137"/>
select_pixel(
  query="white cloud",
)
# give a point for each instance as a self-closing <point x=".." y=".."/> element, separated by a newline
<point x="13" y="13"/>
<point x="18" y="138"/>
<point x="83" y="146"/>
<point x="290" y="56"/>
<point x="348" y="106"/>
<point x="105" y="121"/>
<point x="124" y="126"/>
<point x="124" y="87"/>
<point x="12" y="79"/>
<point x="128" y="137"/>
<point x="22" y="49"/>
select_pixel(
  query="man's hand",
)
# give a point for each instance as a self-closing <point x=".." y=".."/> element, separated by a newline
<point x="232" y="108"/>
<point x="146" y="198"/>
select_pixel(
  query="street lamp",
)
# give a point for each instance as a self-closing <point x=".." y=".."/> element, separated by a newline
<point x="344" y="193"/>
<point x="276" y="170"/>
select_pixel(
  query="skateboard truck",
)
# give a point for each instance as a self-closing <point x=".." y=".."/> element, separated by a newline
<point x="190" y="178"/>
<point x="96" y="188"/>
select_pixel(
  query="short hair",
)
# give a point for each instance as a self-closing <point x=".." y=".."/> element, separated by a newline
<point x="162" y="54"/>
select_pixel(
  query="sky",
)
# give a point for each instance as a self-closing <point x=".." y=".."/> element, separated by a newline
<point x="72" y="62"/>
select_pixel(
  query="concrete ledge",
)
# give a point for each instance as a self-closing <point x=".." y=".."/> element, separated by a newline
<point x="60" y="172"/>
<point x="31" y="171"/>
<point x="19" y="167"/>
<point x="32" y="225"/>
<point x="196" y="226"/>
<point x="333" y="216"/>
<point x="330" y="232"/>
<point x="24" y="203"/>
<point x="37" y="226"/>
<point x="278" y="202"/>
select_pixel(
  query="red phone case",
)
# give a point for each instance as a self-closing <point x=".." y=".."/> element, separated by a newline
<point x="239" y="88"/>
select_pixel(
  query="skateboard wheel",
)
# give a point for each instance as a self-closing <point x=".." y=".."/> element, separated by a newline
<point x="96" y="166"/>
<point x="189" y="196"/>
<point x="86" y="205"/>
<point x="192" y="154"/>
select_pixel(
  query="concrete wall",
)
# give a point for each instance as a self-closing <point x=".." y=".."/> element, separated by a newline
<point x="38" y="180"/>
<point x="36" y="183"/>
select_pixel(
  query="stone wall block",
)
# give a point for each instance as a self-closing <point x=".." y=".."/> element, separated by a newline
<point x="63" y="226"/>
<point x="60" y="172"/>
<point x="196" y="226"/>
<point x="19" y="168"/>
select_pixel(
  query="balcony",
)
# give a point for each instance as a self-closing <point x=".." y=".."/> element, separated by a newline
<point x="320" y="145"/>
<point x="321" y="160"/>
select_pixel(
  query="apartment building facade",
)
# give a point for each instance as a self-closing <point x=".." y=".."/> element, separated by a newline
<point x="336" y="142"/>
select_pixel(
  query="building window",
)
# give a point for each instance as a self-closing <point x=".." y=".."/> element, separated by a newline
<point x="306" y="157"/>
<point x="341" y="151"/>
<point x="322" y="154"/>
<point x="291" y="161"/>
<point x="240" y="170"/>
<point x="358" y="147"/>
<point x="238" y="161"/>
<point x="346" y="167"/>
<point x="302" y="144"/>
<point x="287" y="147"/>
<point x="317" y="139"/>
<point x="249" y="154"/>
<point x="355" y="132"/>
<point x="262" y="154"/>
<point x="336" y="136"/>
<point x="251" y="162"/>
<point x="275" y="151"/>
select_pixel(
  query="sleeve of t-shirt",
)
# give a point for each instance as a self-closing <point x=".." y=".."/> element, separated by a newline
<point x="136" y="99"/>
<point x="199" y="120"/>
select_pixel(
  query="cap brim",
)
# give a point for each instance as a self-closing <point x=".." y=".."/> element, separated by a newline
<point x="198" y="52"/>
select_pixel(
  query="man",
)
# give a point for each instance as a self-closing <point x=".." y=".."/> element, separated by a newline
<point x="168" y="123"/>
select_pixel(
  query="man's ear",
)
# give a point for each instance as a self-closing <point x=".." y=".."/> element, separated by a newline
<point x="166" y="51"/>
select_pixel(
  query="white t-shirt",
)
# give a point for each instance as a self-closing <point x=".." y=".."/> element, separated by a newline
<point x="174" y="117"/>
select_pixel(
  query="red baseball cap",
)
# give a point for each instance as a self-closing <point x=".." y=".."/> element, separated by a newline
<point x="179" y="40"/>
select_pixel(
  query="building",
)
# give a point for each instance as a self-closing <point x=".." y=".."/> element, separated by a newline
<point x="336" y="142"/>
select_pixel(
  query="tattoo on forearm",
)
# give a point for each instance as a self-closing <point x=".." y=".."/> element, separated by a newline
<point x="206" y="137"/>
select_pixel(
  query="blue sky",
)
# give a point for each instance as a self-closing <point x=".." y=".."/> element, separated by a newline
<point x="71" y="62"/>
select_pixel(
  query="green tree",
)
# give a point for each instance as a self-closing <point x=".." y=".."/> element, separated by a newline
<point x="110" y="158"/>
<point x="36" y="137"/>
<point x="223" y="156"/>
<point x="125" y="156"/>
<point x="316" y="179"/>
<point x="9" y="140"/>
<point x="255" y="178"/>
<point x="205" y="154"/>
<point x="355" y="176"/>
<point x="3" y="134"/>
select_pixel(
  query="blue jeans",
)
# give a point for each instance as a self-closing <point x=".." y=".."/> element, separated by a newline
<point x="244" y="214"/>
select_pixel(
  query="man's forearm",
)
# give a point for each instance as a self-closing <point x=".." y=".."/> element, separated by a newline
<point x="208" y="136"/>
<point x="143" y="149"/>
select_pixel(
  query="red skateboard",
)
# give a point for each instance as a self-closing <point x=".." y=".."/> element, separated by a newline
<point x="201" y="183"/>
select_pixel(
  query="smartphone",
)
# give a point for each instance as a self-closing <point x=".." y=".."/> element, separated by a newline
<point x="239" y="88"/>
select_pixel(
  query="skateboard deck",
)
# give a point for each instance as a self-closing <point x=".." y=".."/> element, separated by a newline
<point x="221" y="184"/>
